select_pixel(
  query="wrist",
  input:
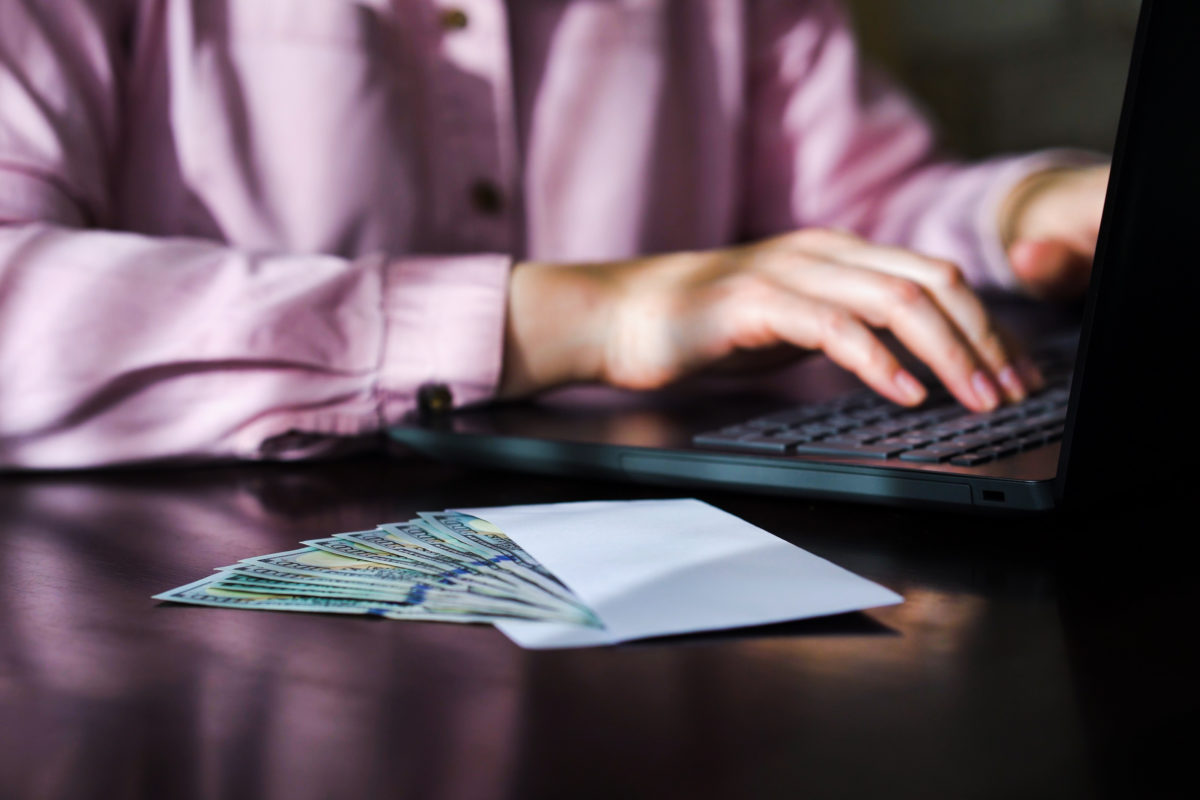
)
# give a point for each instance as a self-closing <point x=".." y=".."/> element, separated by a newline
<point x="1062" y="203"/>
<point x="1024" y="204"/>
<point x="556" y="323"/>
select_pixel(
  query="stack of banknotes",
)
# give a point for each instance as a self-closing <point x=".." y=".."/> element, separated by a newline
<point x="444" y="566"/>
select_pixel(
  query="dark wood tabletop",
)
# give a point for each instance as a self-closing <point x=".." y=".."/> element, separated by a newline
<point x="1031" y="657"/>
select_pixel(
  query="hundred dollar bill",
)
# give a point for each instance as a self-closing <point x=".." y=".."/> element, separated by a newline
<point x="430" y="537"/>
<point x="342" y="545"/>
<point x="440" y="592"/>
<point x="264" y="572"/>
<point x="301" y="585"/>
<point x="392" y="592"/>
<point x="486" y="539"/>
<point x="463" y="577"/>
<point x="241" y="582"/>
<point x="404" y="540"/>
<point x="204" y="592"/>
<point x="317" y="563"/>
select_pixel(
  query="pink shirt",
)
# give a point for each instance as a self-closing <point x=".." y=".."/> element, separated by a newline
<point x="224" y="221"/>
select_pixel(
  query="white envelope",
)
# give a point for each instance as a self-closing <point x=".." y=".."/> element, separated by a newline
<point x="658" y="567"/>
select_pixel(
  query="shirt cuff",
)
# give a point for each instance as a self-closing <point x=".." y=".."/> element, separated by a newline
<point x="444" y="320"/>
<point x="1009" y="173"/>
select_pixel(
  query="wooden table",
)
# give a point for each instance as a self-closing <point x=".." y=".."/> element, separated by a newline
<point x="1027" y="660"/>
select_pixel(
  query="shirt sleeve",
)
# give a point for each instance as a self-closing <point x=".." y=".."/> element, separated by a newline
<point x="832" y="143"/>
<point x="118" y="347"/>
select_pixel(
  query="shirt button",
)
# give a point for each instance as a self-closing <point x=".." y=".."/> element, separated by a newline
<point x="486" y="198"/>
<point x="434" y="399"/>
<point x="454" y="19"/>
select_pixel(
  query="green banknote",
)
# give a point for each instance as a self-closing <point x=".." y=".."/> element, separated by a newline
<point x="448" y="570"/>
<point x="428" y="533"/>
<point x="486" y="539"/>
<point x="405" y="540"/>
<point x="340" y="544"/>
<point x="206" y="592"/>
<point x="442" y="594"/>
<point x="459" y="577"/>
<point x="242" y="582"/>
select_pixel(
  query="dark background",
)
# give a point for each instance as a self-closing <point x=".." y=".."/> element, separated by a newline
<point x="1010" y="75"/>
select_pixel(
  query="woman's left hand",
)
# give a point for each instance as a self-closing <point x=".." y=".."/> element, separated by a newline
<point x="1049" y="225"/>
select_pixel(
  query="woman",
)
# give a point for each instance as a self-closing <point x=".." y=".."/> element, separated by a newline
<point x="224" y="222"/>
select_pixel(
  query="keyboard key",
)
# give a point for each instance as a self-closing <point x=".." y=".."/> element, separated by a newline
<point x="1045" y="420"/>
<point x="1030" y="442"/>
<point x="971" y="422"/>
<point x="969" y="441"/>
<point x="793" y="417"/>
<point x="932" y="454"/>
<point x="841" y="423"/>
<point x="771" y="444"/>
<point x="869" y="415"/>
<point x="739" y="430"/>
<point x="914" y="419"/>
<point x="864" y="398"/>
<point x="881" y="430"/>
<point x="907" y="440"/>
<point x="1005" y="431"/>
<point x="717" y="439"/>
<point x="945" y="430"/>
<point x="763" y="425"/>
<point x="813" y="430"/>
<point x="937" y="415"/>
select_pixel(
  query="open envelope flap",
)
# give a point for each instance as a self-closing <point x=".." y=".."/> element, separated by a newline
<point x="659" y="567"/>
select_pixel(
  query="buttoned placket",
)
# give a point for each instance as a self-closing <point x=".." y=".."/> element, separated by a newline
<point x="471" y="115"/>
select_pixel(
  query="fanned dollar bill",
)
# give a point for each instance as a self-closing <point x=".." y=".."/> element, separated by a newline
<point x="409" y="541"/>
<point x="416" y="533"/>
<point x="441" y="594"/>
<point x="489" y="541"/>
<point x="444" y="566"/>
<point x="206" y="592"/>
<point x="356" y="549"/>
<point x="454" y="581"/>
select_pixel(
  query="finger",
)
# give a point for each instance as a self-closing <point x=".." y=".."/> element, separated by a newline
<point x="945" y="284"/>
<point x="1050" y="268"/>
<point x="811" y="324"/>
<point x="1031" y="374"/>
<point x="911" y="313"/>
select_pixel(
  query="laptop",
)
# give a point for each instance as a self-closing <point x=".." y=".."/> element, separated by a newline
<point x="1113" y="422"/>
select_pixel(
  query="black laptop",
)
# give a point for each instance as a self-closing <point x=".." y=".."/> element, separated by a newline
<point x="1115" y="419"/>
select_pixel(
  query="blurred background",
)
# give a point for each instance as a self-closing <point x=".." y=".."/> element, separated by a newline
<point x="1003" y="75"/>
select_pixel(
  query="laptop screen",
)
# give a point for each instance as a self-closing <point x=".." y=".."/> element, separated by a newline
<point x="1128" y="425"/>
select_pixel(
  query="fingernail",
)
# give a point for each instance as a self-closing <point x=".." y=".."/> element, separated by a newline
<point x="1031" y="374"/>
<point x="910" y="388"/>
<point x="985" y="390"/>
<point x="1011" y="383"/>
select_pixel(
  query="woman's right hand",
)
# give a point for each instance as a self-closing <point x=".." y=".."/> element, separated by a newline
<point x="646" y="322"/>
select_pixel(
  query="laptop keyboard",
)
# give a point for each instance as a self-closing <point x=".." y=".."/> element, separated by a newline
<point x="864" y="425"/>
